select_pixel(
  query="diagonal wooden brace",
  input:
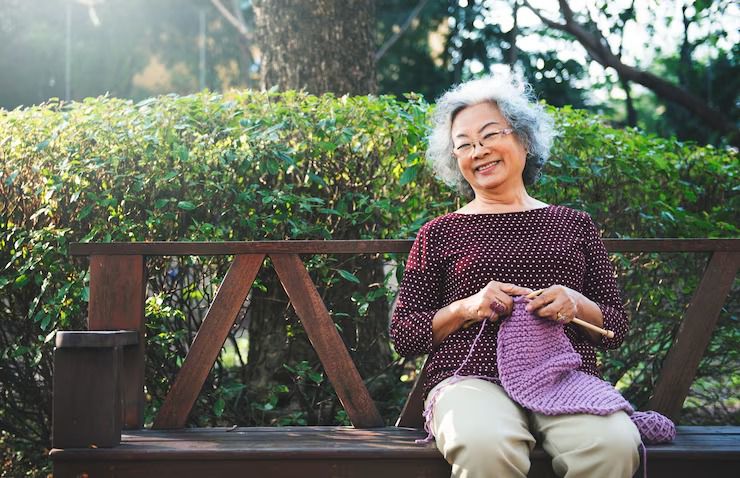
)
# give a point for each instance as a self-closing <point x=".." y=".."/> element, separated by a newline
<point x="325" y="339"/>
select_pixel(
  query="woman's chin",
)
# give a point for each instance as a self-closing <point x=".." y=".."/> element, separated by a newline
<point x="489" y="181"/>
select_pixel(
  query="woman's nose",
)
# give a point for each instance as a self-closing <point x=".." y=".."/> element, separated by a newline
<point x="479" y="150"/>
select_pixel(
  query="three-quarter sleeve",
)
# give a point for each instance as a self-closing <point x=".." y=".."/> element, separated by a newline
<point x="600" y="285"/>
<point x="419" y="298"/>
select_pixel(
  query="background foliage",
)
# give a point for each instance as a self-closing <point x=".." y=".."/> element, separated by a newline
<point x="251" y="166"/>
<point x="137" y="48"/>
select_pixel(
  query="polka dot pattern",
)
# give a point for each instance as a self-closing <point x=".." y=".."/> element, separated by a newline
<point x="456" y="255"/>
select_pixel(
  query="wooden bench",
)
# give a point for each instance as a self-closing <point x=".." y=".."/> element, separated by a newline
<point x="99" y="378"/>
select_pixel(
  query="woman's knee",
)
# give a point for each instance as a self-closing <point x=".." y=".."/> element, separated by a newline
<point x="489" y="449"/>
<point x="594" y="446"/>
<point x="618" y="440"/>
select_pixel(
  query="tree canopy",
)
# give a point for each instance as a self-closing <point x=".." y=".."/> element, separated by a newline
<point x="668" y="67"/>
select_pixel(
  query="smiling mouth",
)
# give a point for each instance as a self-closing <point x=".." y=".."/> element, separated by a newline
<point x="487" y="166"/>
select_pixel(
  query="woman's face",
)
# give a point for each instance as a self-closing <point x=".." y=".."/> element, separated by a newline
<point x="500" y="162"/>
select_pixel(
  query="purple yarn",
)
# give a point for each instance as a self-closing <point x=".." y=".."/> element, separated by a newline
<point x="654" y="427"/>
<point x="538" y="369"/>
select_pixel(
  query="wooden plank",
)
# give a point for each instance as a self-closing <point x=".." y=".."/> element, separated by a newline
<point x="275" y="468"/>
<point x="325" y="339"/>
<point x="352" y="468"/>
<point x="117" y="294"/>
<point x="679" y="366"/>
<point x="208" y="341"/>
<point x="342" y="442"/>
<point x="671" y="245"/>
<point x="362" y="247"/>
<point x="347" y="452"/>
<point x="413" y="409"/>
<point x="98" y="338"/>
<point x="87" y="397"/>
<point x="252" y="247"/>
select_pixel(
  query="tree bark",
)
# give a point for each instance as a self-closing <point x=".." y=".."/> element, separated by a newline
<point x="319" y="46"/>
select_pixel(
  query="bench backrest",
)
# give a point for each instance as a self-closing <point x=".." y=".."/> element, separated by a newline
<point x="117" y="297"/>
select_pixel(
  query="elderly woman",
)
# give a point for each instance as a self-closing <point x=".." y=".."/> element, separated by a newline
<point x="490" y="140"/>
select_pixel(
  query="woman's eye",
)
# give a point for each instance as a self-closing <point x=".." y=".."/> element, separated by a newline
<point x="490" y="135"/>
<point x="463" y="147"/>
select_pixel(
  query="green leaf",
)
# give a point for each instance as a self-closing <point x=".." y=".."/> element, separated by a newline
<point x="315" y="377"/>
<point x="186" y="205"/>
<point x="348" y="276"/>
<point x="85" y="211"/>
<point x="409" y="175"/>
<point x="218" y="407"/>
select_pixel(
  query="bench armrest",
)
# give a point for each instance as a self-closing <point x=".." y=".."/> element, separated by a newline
<point x="87" y="399"/>
<point x="96" y="338"/>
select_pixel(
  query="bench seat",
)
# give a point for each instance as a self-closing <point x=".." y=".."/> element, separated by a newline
<point x="347" y="452"/>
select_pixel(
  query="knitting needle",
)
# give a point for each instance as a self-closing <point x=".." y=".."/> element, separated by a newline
<point x="607" y="333"/>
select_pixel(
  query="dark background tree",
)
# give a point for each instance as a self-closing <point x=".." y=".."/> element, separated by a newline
<point x="320" y="46"/>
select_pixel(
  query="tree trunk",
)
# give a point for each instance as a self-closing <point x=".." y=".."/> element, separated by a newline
<point x="631" y="112"/>
<point x="317" y="45"/>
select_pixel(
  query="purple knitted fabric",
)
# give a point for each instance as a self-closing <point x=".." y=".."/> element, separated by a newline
<point x="538" y="369"/>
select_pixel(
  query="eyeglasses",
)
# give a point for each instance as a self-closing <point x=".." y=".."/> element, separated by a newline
<point x="488" y="140"/>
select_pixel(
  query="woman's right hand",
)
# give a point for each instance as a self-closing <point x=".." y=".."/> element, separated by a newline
<point x="492" y="302"/>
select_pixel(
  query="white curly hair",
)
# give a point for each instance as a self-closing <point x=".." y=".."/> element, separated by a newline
<point x="514" y="97"/>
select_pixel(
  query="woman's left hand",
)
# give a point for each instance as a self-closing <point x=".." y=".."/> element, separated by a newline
<point x="557" y="302"/>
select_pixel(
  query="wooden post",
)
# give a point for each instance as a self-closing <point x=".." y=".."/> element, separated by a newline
<point x="87" y="400"/>
<point x="117" y="297"/>
<point x="87" y="388"/>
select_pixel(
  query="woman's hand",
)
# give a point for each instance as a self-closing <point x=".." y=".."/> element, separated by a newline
<point x="492" y="302"/>
<point x="558" y="303"/>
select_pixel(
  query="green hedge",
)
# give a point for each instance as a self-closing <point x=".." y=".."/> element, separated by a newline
<point x="251" y="166"/>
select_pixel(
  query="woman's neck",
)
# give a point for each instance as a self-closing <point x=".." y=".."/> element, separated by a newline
<point x="487" y="202"/>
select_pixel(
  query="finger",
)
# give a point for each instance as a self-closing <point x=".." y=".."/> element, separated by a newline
<point x="550" y="310"/>
<point x="540" y="301"/>
<point x="513" y="289"/>
<point x="503" y="303"/>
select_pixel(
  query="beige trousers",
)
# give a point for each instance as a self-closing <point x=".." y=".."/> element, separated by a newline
<point x="481" y="432"/>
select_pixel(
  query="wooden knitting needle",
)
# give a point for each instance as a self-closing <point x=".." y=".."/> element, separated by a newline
<point x="607" y="333"/>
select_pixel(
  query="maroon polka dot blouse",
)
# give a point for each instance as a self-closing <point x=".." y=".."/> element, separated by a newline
<point x="454" y="256"/>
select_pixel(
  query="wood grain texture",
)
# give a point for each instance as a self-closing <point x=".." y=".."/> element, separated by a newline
<point x="363" y="247"/>
<point x="98" y="338"/>
<point x="87" y="397"/>
<point x="252" y="247"/>
<point x="679" y="366"/>
<point x="117" y="294"/>
<point x="208" y="341"/>
<point x="348" y="452"/>
<point x="322" y="333"/>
